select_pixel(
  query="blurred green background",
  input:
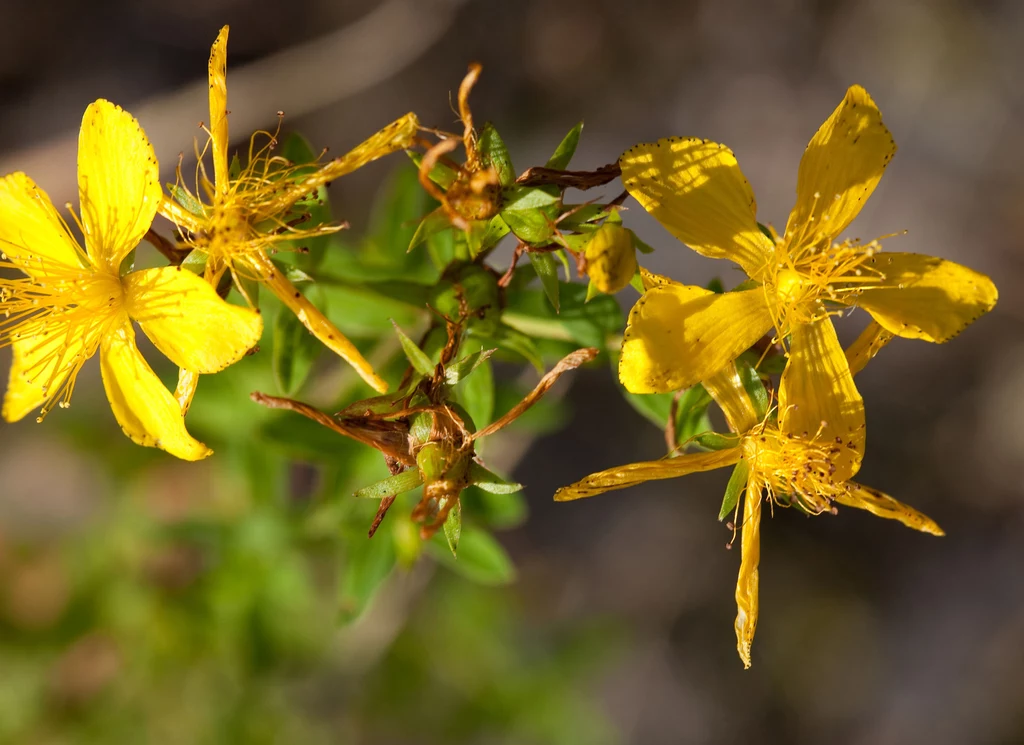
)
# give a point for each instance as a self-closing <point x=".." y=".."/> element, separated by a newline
<point x="147" y="600"/>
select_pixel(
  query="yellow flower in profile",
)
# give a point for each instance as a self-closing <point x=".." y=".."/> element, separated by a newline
<point x="695" y="188"/>
<point x="75" y="301"/>
<point x="247" y="214"/>
<point x="779" y="460"/>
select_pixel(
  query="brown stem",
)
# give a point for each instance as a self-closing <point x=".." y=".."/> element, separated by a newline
<point x="168" y="248"/>
<point x="543" y="176"/>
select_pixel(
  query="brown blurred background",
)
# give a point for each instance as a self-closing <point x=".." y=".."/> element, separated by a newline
<point x="869" y="633"/>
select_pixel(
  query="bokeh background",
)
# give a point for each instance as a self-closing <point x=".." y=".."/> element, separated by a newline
<point x="619" y="628"/>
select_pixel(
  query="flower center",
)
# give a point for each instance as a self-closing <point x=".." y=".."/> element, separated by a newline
<point x="793" y="470"/>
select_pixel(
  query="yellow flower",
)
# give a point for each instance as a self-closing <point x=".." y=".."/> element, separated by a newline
<point x="249" y="213"/>
<point x="678" y="337"/>
<point x="75" y="301"/>
<point x="791" y="461"/>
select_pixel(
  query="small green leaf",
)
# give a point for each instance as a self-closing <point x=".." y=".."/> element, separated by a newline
<point x="716" y="286"/>
<point x="429" y="226"/>
<point x="296" y="276"/>
<point x="476" y="392"/>
<point x="654" y="406"/>
<point x="186" y="200"/>
<point x="547" y="271"/>
<point x="530" y="226"/>
<point x="249" y="288"/>
<point x="491" y="482"/>
<point x="195" y="262"/>
<point x="767" y="233"/>
<point x="717" y="441"/>
<point x="515" y="341"/>
<point x="456" y="371"/>
<point x="481" y="558"/>
<point x="566" y="149"/>
<point x="642" y="247"/>
<point x="416" y="356"/>
<point x="495" y="154"/>
<point x="733" y="489"/>
<point x="692" y="414"/>
<point x="453" y="527"/>
<point x="441" y="174"/>
<point x="754" y="387"/>
<point x="392" y="485"/>
<point x="526" y="198"/>
<point x="295" y="351"/>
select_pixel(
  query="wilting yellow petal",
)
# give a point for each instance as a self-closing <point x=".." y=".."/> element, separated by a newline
<point x="882" y="505"/>
<point x="817" y="397"/>
<point x="679" y="335"/>
<point x="747" y="581"/>
<point x="652" y="470"/>
<point x="44" y="365"/>
<point x="118" y="183"/>
<point x="695" y="188"/>
<point x="188" y="321"/>
<point x="219" y="111"/>
<point x="923" y="297"/>
<point x="611" y="258"/>
<point x="727" y="389"/>
<point x="32" y="235"/>
<point x="651" y="280"/>
<point x="315" y="321"/>
<point x="396" y="136"/>
<point x="146" y="411"/>
<point x="867" y="345"/>
<point x="840" y="168"/>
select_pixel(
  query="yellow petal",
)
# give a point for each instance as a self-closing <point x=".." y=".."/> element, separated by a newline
<point x="185" y="391"/>
<point x="727" y="389"/>
<point x="145" y="409"/>
<point x="747" y="581"/>
<point x="315" y="321"/>
<point x="118" y="183"/>
<point x="651" y="280"/>
<point x="882" y="505"/>
<point x="611" y="258"/>
<point x="840" y="168"/>
<point x="32" y="234"/>
<point x="696" y="189"/>
<point x="923" y="297"/>
<point x="866" y="346"/>
<point x="679" y="335"/>
<point x="652" y="470"/>
<point x="188" y="321"/>
<point x="219" y="111"/>
<point x="396" y="136"/>
<point x="817" y="397"/>
<point x="44" y="367"/>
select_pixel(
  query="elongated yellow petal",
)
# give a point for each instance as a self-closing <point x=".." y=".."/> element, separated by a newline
<point x="923" y="297"/>
<point x="146" y="411"/>
<point x="396" y="136"/>
<point x="679" y="335"/>
<point x="633" y="474"/>
<point x="695" y="188"/>
<point x="727" y="389"/>
<point x="747" y="581"/>
<point x="188" y="321"/>
<point x="840" y="168"/>
<point x="32" y="235"/>
<point x="866" y="346"/>
<point x="882" y="505"/>
<point x="44" y="366"/>
<point x="315" y="321"/>
<point x="219" y="111"/>
<point x="118" y="183"/>
<point x="651" y="280"/>
<point x="185" y="391"/>
<point x="818" y="399"/>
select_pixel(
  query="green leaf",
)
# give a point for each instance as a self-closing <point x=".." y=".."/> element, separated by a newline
<point x="716" y="286"/>
<point x="566" y="149"/>
<point x="368" y="562"/>
<point x="733" y="489"/>
<point x="754" y="387"/>
<point x="530" y="226"/>
<point x="393" y="220"/>
<point x="392" y="485"/>
<point x="456" y="371"/>
<point x="587" y="324"/>
<point x="767" y="233"/>
<point x="186" y="200"/>
<point x="453" y="527"/>
<point x="498" y="511"/>
<point x="642" y="247"/>
<point x="654" y="406"/>
<point x="547" y="271"/>
<point x="491" y="482"/>
<point x="295" y="351"/>
<point x="495" y="154"/>
<point x="297" y="150"/>
<point x="515" y="341"/>
<point x="195" y="262"/>
<point x="528" y="198"/>
<point x="441" y="174"/>
<point x="692" y="414"/>
<point x="717" y="441"/>
<point x="429" y="226"/>
<point x="476" y="392"/>
<point x="416" y="356"/>
<point x="481" y="558"/>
